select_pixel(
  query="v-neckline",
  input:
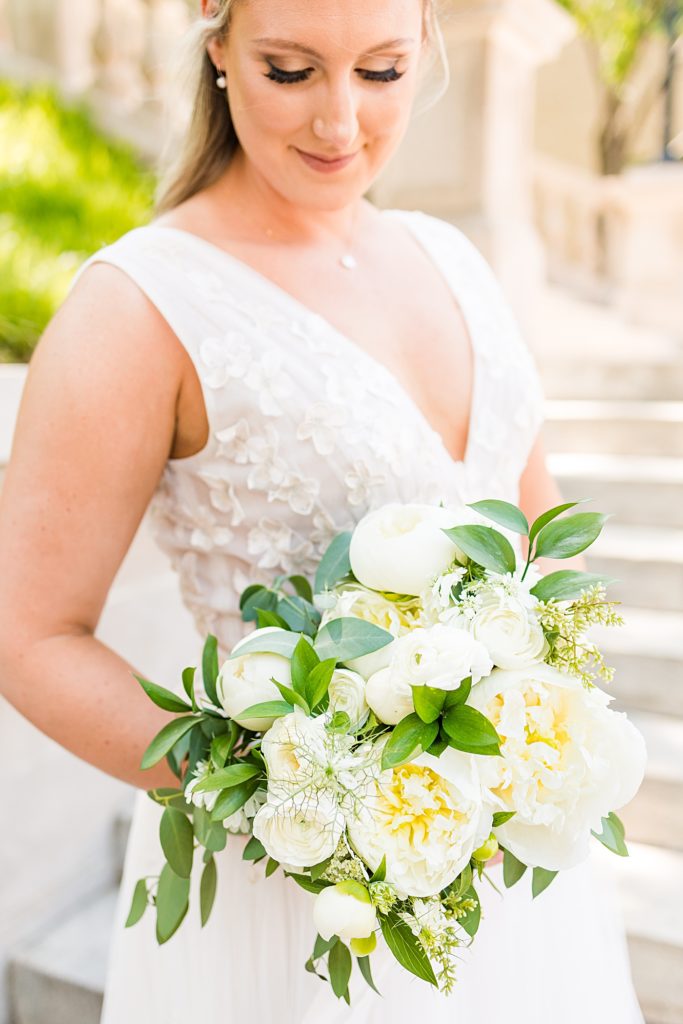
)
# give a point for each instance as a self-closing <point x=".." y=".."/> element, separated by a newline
<point x="303" y="310"/>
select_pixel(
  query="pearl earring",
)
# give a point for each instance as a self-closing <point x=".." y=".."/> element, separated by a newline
<point x="221" y="81"/>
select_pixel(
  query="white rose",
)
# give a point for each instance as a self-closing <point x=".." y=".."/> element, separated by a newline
<point x="294" y="750"/>
<point x="440" y="656"/>
<point x="512" y="634"/>
<point x="425" y="817"/>
<point x="397" y="617"/>
<point x="347" y="693"/>
<point x="567" y="761"/>
<point x="344" y="910"/>
<point x="246" y="680"/>
<point x="300" y="830"/>
<point x="401" y="548"/>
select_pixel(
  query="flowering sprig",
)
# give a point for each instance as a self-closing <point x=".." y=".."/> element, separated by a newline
<point x="565" y="627"/>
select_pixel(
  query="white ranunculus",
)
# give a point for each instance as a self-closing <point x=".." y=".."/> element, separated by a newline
<point x="397" y="617"/>
<point x="246" y="680"/>
<point x="401" y="548"/>
<point x="426" y="817"/>
<point x="511" y="633"/>
<point x="295" y="752"/>
<point x="300" y="830"/>
<point x="345" y="910"/>
<point x="567" y="761"/>
<point x="440" y="656"/>
<point x="347" y="693"/>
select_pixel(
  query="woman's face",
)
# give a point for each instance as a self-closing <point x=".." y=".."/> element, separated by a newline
<point x="316" y="80"/>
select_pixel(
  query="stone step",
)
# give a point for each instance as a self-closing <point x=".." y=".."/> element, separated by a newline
<point x="647" y="654"/>
<point x="650" y="884"/>
<point x="646" y="564"/>
<point x="654" y="816"/>
<point x="626" y="428"/>
<point x="60" y="978"/>
<point x="635" y="489"/>
<point x="588" y="378"/>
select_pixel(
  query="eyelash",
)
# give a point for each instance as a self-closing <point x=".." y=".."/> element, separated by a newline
<point x="291" y="77"/>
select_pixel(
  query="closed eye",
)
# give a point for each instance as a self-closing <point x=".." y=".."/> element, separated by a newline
<point x="277" y="74"/>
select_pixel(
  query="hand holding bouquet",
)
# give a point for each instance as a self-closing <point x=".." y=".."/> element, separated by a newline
<point x="381" y="734"/>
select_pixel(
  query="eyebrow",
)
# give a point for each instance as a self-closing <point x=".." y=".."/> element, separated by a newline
<point x="290" y="45"/>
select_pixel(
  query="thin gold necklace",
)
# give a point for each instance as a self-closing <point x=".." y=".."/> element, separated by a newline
<point x="347" y="260"/>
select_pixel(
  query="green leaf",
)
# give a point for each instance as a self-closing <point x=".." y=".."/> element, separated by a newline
<point x="381" y="873"/>
<point x="267" y="618"/>
<point x="254" y="850"/>
<point x="221" y="746"/>
<point x="233" y="799"/>
<point x="334" y="564"/>
<point x="307" y="883"/>
<point x="188" y="684"/>
<point x="168" y="797"/>
<point x="172" y="901"/>
<point x="278" y="641"/>
<point x="233" y="775"/>
<point x="540" y="880"/>
<point x="304" y="660"/>
<point x="568" y="537"/>
<point x="167" y="738"/>
<point x="207" y="890"/>
<point x="548" y="517"/>
<point x="364" y="965"/>
<point x="471" y="731"/>
<point x="500" y="817"/>
<point x="406" y="741"/>
<point x="318" y="682"/>
<point x="612" y="835"/>
<point x="259" y="597"/>
<point x="428" y="702"/>
<point x="485" y="546"/>
<point x="513" y="869"/>
<point x="339" y="964"/>
<point x="250" y="592"/>
<point x="405" y="947"/>
<point x="438" y="746"/>
<point x="302" y="587"/>
<point x="566" y="585"/>
<point x="459" y="696"/>
<point x="290" y="696"/>
<point x="163" y="698"/>
<point x="348" y="637"/>
<point x="177" y="841"/>
<point x="472" y="919"/>
<point x="340" y="722"/>
<point x="503" y="513"/>
<point x="138" y="903"/>
<point x="210" y="669"/>
<point x="323" y="946"/>
<point x="268" y="709"/>
<point x="299" y="615"/>
<point x="272" y="866"/>
<point x="318" y="870"/>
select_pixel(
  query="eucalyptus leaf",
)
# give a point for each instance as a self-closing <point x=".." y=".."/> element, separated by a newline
<point x="540" y="880"/>
<point x="302" y="587"/>
<point x="299" y="614"/>
<point x="365" y="970"/>
<point x="138" y="904"/>
<point x="268" y="618"/>
<point x="513" y="869"/>
<point x="172" y="901"/>
<point x="485" y="546"/>
<point x="339" y="964"/>
<point x="177" y="841"/>
<point x="163" y="698"/>
<point x="166" y="739"/>
<point x="570" y="536"/>
<point x="471" y="731"/>
<point x="551" y="514"/>
<point x="348" y="637"/>
<point x="260" y="597"/>
<point x="233" y="775"/>
<point x="566" y="585"/>
<point x="503" y="513"/>
<point x="277" y="641"/>
<point x="323" y="946"/>
<point x="334" y="564"/>
<point x="207" y="890"/>
<point x="405" y="947"/>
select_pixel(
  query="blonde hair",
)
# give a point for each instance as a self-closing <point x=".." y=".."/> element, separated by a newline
<point x="202" y="141"/>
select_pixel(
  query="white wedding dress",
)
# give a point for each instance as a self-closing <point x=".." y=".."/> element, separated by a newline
<point x="308" y="432"/>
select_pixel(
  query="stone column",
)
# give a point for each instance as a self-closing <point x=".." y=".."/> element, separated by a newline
<point x="468" y="158"/>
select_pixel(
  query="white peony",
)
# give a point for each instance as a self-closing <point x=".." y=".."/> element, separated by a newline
<point x="511" y="633"/>
<point x="440" y="656"/>
<point x="344" y="910"/>
<point x="347" y="693"/>
<point x="397" y="617"/>
<point x="246" y="680"/>
<point x="401" y="548"/>
<point x="300" y="830"/>
<point x="567" y="761"/>
<point x="426" y="817"/>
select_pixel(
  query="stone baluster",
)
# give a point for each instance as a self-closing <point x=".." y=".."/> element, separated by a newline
<point x="166" y="22"/>
<point x="120" y="44"/>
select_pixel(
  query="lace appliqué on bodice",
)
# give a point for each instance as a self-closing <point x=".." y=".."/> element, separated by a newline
<point x="307" y="431"/>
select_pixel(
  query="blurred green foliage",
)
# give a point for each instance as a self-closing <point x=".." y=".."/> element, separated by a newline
<point x="65" y="191"/>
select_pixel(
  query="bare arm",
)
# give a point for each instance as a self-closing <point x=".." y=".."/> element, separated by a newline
<point x="95" y="428"/>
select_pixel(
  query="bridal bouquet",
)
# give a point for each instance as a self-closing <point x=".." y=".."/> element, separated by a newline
<point x="381" y="735"/>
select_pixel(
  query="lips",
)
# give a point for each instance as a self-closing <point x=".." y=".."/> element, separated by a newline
<point x="326" y="164"/>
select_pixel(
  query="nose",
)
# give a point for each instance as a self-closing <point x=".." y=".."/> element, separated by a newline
<point x="337" y="121"/>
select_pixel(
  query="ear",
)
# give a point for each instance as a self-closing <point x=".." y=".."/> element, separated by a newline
<point x="209" y="8"/>
<point x="214" y="48"/>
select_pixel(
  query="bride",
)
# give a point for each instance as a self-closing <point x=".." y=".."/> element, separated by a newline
<point x="267" y="360"/>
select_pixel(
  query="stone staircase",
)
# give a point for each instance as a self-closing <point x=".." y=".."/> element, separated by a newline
<point x="615" y="434"/>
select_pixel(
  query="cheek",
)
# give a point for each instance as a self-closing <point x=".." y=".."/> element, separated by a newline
<point x="264" y="112"/>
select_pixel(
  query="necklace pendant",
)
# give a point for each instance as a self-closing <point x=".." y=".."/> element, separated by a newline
<point x="348" y="262"/>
